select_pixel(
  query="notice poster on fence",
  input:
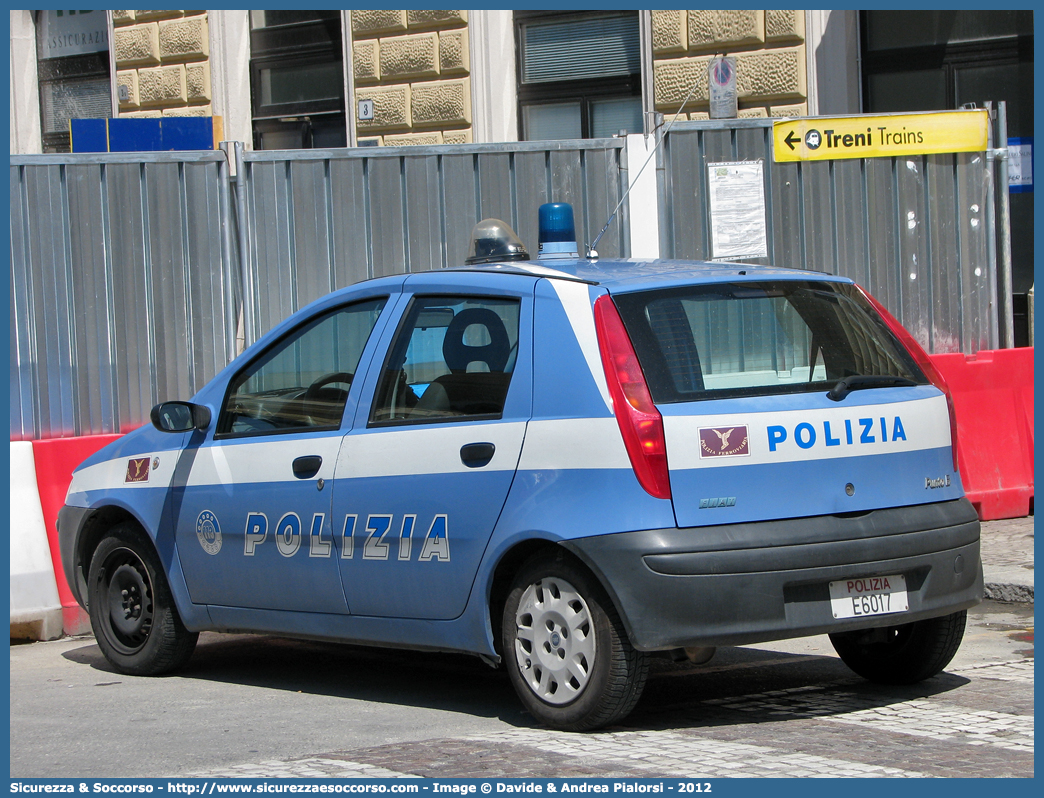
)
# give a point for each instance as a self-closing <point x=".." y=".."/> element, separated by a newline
<point x="737" y="208"/>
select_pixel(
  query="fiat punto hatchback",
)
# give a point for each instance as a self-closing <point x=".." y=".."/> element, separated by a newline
<point x="564" y="466"/>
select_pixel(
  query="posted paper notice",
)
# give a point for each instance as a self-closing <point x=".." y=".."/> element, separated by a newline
<point x="737" y="206"/>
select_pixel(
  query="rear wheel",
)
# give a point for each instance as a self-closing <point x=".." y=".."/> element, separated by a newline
<point x="132" y="612"/>
<point x="565" y="648"/>
<point x="903" y="654"/>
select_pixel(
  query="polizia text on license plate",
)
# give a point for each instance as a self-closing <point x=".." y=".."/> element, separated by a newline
<point x="871" y="595"/>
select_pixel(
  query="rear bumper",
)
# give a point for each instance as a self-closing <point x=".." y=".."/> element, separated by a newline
<point x="749" y="583"/>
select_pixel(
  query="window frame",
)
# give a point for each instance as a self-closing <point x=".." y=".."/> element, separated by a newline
<point x="949" y="58"/>
<point x="299" y="109"/>
<point x="585" y="91"/>
<point x="306" y="43"/>
<point x="266" y="354"/>
<point x="66" y="69"/>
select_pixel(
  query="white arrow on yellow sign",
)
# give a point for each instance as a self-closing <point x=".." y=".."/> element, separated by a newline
<point x="828" y="138"/>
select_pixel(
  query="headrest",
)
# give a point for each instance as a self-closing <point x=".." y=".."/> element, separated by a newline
<point x="459" y="355"/>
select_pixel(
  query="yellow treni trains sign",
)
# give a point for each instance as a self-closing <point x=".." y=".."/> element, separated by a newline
<point x="828" y="138"/>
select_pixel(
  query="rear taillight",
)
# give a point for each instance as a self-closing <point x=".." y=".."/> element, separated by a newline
<point x="921" y="357"/>
<point x="640" y="422"/>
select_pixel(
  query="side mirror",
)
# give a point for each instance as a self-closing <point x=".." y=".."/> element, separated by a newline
<point x="180" y="417"/>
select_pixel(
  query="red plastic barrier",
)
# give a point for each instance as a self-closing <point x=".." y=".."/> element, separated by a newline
<point x="55" y="461"/>
<point x="993" y="399"/>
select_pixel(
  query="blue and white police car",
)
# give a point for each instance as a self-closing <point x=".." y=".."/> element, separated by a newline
<point x="563" y="465"/>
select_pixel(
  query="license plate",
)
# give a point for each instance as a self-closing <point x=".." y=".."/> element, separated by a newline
<point x="869" y="595"/>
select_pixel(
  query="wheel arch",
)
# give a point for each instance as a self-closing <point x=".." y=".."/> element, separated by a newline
<point x="607" y="586"/>
<point x="135" y="621"/>
<point x="500" y="585"/>
<point x="513" y="559"/>
<point x="92" y="532"/>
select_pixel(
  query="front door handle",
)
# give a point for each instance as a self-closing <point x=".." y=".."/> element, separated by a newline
<point x="476" y="455"/>
<point x="308" y="466"/>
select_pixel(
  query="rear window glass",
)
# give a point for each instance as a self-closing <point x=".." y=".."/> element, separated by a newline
<point x="750" y="339"/>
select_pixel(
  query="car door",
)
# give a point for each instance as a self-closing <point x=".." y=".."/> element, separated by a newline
<point x="253" y="527"/>
<point x="424" y="473"/>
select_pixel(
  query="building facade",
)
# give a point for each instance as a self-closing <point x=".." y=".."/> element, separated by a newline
<point x="292" y="79"/>
<point x="319" y="79"/>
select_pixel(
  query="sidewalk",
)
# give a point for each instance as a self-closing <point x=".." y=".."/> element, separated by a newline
<point x="1007" y="559"/>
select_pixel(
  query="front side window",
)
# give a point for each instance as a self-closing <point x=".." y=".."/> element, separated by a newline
<point x="452" y="359"/>
<point x="749" y="339"/>
<point x="302" y="382"/>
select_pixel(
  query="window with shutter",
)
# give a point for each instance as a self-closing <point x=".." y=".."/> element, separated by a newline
<point x="579" y="75"/>
<point x="73" y="70"/>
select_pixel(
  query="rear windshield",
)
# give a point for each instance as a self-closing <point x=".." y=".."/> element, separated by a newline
<point x="751" y="339"/>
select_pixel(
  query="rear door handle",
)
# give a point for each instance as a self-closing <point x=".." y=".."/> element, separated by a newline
<point x="476" y="455"/>
<point x="308" y="466"/>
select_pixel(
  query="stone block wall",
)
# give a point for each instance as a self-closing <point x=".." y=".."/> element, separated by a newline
<point x="162" y="57"/>
<point x="769" y="47"/>
<point x="415" y="67"/>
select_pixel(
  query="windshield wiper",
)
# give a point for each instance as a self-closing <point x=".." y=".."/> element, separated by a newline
<point x="856" y="382"/>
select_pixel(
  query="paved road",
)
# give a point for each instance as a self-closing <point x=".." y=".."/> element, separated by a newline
<point x="257" y="706"/>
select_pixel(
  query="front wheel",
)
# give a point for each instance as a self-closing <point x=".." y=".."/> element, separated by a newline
<point x="565" y="648"/>
<point x="903" y="654"/>
<point x="132" y="612"/>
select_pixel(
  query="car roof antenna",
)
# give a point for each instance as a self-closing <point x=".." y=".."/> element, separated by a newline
<point x="592" y="253"/>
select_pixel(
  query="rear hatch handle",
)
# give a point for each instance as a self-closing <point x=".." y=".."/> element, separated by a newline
<point x="857" y="382"/>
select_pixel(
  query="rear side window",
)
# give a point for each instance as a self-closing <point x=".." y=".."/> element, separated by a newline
<point x="751" y="339"/>
<point x="451" y="360"/>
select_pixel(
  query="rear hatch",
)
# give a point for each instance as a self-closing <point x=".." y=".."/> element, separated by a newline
<point x="787" y="398"/>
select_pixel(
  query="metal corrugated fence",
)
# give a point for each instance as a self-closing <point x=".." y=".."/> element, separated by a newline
<point x="128" y="286"/>
<point x="127" y="283"/>
<point x="122" y="287"/>
<point x="913" y="230"/>
<point x="318" y="220"/>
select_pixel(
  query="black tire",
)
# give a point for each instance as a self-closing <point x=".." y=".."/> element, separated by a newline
<point x="132" y="612"/>
<point x="613" y="673"/>
<point x="904" y="654"/>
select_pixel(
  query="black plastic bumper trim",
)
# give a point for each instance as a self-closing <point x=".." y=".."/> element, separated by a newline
<point x="70" y="522"/>
<point x="749" y="583"/>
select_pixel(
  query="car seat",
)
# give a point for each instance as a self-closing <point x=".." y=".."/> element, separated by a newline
<point x="463" y="392"/>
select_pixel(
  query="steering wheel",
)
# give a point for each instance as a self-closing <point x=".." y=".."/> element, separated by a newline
<point x="313" y="390"/>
